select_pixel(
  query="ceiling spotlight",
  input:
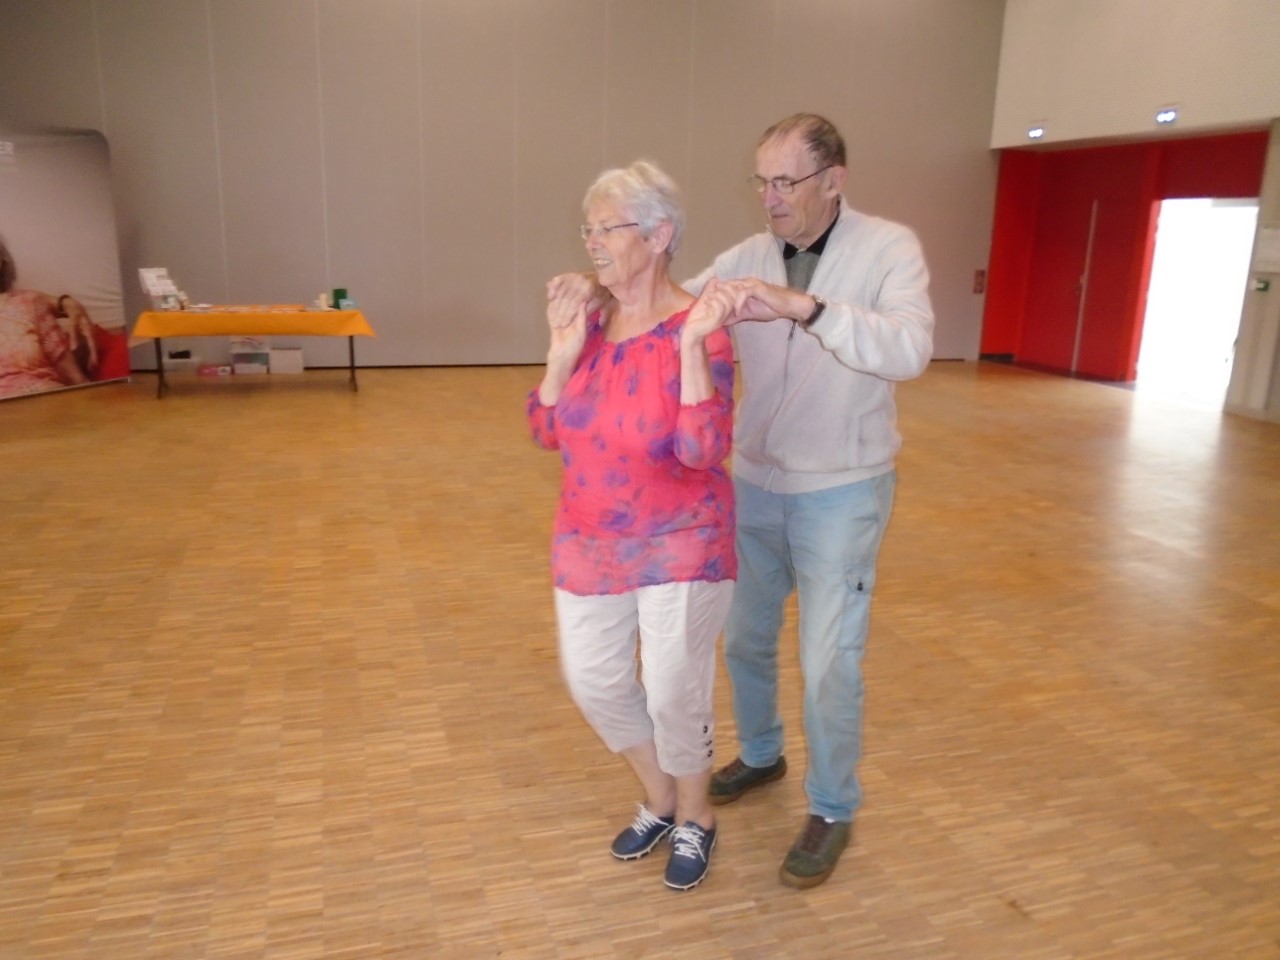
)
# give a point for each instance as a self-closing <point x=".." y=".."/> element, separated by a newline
<point x="1167" y="115"/>
<point x="1035" y="133"/>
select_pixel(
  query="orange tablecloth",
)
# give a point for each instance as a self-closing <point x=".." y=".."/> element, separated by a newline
<point x="253" y="321"/>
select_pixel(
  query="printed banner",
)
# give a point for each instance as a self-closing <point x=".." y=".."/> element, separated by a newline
<point x="61" y="302"/>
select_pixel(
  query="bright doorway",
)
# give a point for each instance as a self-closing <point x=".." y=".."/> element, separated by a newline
<point x="1198" y="279"/>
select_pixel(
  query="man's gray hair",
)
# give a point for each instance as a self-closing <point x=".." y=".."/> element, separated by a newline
<point x="647" y="193"/>
<point x="819" y="134"/>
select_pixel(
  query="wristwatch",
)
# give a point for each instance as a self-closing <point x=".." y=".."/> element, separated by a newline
<point x="818" y="306"/>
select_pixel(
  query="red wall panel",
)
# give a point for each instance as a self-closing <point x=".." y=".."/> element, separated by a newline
<point x="1226" y="166"/>
<point x="1107" y="331"/>
<point x="1043" y="210"/>
<point x="1076" y="181"/>
<point x="1012" y="237"/>
<point x="1053" y="290"/>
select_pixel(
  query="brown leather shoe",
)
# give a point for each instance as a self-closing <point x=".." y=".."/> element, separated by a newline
<point x="815" y="853"/>
<point x="735" y="778"/>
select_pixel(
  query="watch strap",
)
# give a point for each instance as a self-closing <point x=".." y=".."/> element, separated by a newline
<point x="819" y="305"/>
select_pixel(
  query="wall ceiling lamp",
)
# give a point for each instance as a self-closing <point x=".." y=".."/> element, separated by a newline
<point x="1166" y="115"/>
<point x="1036" y="132"/>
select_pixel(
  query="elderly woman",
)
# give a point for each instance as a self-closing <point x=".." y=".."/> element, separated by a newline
<point x="35" y="352"/>
<point x="638" y="398"/>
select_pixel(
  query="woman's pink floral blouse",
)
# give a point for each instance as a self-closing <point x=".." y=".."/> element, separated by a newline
<point x="644" y="495"/>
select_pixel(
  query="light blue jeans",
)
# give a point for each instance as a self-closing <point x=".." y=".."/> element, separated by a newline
<point x="823" y="545"/>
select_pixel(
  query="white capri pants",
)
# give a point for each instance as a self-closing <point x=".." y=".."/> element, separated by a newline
<point x="678" y="624"/>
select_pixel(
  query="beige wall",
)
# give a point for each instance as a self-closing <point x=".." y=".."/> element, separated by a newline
<point x="1255" y="375"/>
<point x="1089" y="69"/>
<point x="431" y="155"/>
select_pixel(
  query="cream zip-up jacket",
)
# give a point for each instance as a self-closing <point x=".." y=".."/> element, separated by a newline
<point x="817" y="408"/>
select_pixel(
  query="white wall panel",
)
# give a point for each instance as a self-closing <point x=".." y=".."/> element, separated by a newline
<point x="734" y="97"/>
<point x="431" y="155"/>
<point x="561" y="97"/>
<point x="271" y="145"/>
<point x="646" y="63"/>
<point x="910" y="86"/>
<point x="369" y="94"/>
<point x="49" y="70"/>
<point x="162" y="133"/>
<point x="468" y="102"/>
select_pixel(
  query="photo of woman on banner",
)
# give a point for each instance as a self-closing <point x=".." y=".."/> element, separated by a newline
<point x="48" y="342"/>
<point x="35" y="352"/>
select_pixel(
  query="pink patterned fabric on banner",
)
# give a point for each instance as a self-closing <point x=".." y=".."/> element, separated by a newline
<point x="61" y="301"/>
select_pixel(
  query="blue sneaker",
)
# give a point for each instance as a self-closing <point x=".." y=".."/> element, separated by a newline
<point x="691" y="847"/>
<point x="645" y="833"/>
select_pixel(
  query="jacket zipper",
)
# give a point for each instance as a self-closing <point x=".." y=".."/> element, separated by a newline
<point x="782" y="395"/>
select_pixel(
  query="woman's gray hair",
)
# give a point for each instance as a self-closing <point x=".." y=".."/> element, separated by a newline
<point x="8" y="269"/>
<point x="648" y="194"/>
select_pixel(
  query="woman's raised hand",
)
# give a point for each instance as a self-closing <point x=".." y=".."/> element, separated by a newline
<point x="713" y="309"/>
<point x="567" y="318"/>
<point x="575" y="287"/>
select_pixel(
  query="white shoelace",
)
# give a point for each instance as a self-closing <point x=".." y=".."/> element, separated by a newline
<point x="686" y="840"/>
<point x="644" y="820"/>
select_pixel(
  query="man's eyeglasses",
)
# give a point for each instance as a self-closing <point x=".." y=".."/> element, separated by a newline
<point x="781" y="184"/>
<point x="587" y="230"/>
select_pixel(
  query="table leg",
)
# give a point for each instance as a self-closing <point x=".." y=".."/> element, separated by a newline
<point x="351" y="353"/>
<point x="162" y="385"/>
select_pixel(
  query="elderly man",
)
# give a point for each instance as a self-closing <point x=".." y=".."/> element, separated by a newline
<point x="832" y="308"/>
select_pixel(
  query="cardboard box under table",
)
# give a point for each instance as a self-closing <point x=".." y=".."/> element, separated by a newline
<point x="285" y="359"/>
<point x="252" y="321"/>
<point x="250" y="355"/>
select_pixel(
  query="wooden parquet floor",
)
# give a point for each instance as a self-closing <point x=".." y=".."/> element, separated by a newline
<point x="278" y="680"/>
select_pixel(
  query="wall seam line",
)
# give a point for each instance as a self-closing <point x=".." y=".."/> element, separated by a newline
<point x="217" y="156"/>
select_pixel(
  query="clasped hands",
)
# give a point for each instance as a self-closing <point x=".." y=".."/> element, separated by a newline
<point x="571" y="296"/>
<point x="724" y="302"/>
